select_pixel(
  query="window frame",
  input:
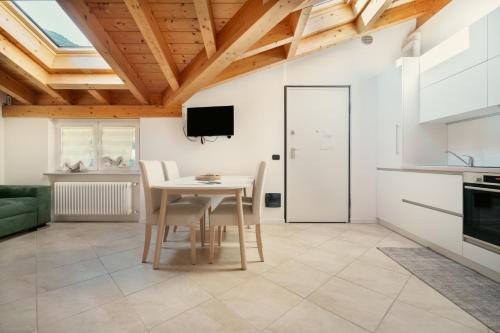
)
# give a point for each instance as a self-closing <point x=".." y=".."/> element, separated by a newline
<point x="97" y="125"/>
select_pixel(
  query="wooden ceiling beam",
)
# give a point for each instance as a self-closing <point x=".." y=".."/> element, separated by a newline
<point x="437" y="5"/>
<point x="85" y="81"/>
<point x="14" y="88"/>
<point x="281" y="34"/>
<point x="91" y="111"/>
<point x="21" y="63"/>
<point x="205" y="17"/>
<point x="326" y="39"/>
<point x="371" y="13"/>
<point x="104" y="44"/>
<point x="251" y="64"/>
<point x="358" y="6"/>
<point x="101" y="96"/>
<point x="143" y="16"/>
<point x="248" y="25"/>
<point x="298" y="21"/>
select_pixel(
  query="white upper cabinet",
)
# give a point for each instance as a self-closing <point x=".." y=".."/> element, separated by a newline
<point x="463" y="50"/>
<point x="494" y="80"/>
<point x="449" y="100"/>
<point x="494" y="34"/>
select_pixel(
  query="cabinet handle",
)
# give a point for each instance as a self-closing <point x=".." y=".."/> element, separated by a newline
<point x="397" y="139"/>
<point x="441" y="210"/>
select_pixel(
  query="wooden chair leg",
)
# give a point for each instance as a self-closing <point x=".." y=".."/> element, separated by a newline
<point x="259" y="241"/>
<point x="202" y="231"/>
<point x="219" y="235"/>
<point x="147" y="242"/>
<point x="166" y="233"/>
<point x="175" y="228"/>
<point x="224" y="228"/>
<point x="211" y="244"/>
<point x="193" y="245"/>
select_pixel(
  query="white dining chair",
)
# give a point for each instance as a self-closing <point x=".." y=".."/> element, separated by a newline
<point x="171" y="172"/>
<point x="177" y="214"/>
<point x="225" y="215"/>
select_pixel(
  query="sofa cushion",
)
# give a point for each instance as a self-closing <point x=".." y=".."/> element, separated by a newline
<point x="16" y="206"/>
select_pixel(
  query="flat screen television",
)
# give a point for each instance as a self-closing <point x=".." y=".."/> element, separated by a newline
<point x="210" y="121"/>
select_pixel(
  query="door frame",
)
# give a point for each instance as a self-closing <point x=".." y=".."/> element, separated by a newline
<point x="285" y="150"/>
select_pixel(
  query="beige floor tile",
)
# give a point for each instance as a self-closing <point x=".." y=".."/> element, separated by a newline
<point x="18" y="316"/>
<point x="343" y="248"/>
<point x="118" y="245"/>
<point x="64" y="302"/>
<point x="66" y="254"/>
<point x="17" y="288"/>
<point x="375" y="278"/>
<point x="313" y="237"/>
<point x="62" y="276"/>
<point x="167" y="299"/>
<point x="211" y="316"/>
<point x="371" y="228"/>
<point x="308" y="317"/>
<point x="361" y="238"/>
<point x="409" y="319"/>
<point x="325" y="261"/>
<point x="376" y="257"/>
<point x="140" y="277"/>
<point x="18" y="268"/>
<point x="419" y="294"/>
<point x="297" y="277"/>
<point x="357" y="304"/>
<point x="259" y="301"/>
<point x="10" y="254"/>
<point x="121" y="260"/>
<point x="218" y="279"/>
<point x="395" y="240"/>
<point x="115" y="317"/>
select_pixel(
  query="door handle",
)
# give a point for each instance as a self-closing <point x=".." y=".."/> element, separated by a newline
<point x="397" y="139"/>
<point x="292" y="153"/>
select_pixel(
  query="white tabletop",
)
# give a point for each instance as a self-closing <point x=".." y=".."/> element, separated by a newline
<point x="190" y="183"/>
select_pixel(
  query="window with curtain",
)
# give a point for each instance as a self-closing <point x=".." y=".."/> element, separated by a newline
<point x="97" y="145"/>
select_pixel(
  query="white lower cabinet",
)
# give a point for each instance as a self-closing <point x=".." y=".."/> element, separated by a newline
<point x="423" y="204"/>
<point x="484" y="257"/>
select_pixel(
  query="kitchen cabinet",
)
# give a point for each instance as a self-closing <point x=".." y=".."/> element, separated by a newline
<point x="463" y="50"/>
<point x="494" y="80"/>
<point x="426" y="205"/>
<point x="450" y="99"/>
<point x="401" y="139"/>
<point x="493" y="34"/>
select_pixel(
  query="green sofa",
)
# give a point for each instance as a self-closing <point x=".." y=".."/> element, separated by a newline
<point x="23" y="208"/>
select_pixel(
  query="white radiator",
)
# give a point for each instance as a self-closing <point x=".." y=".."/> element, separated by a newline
<point x="93" y="198"/>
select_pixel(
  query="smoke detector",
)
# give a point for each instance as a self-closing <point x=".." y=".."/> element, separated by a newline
<point x="367" y="39"/>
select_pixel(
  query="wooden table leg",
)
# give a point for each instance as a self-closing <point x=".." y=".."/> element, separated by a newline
<point x="161" y="228"/>
<point x="241" y="223"/>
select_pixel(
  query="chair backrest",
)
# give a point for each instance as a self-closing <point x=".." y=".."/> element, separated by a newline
<point x="151" y="172"/>
<point x="171" y="170"/>
<point x="258" y="192"/>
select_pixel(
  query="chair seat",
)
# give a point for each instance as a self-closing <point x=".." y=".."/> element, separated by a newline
<point x="226" y="215"/>
<point x="204" y="202"/>
<point x="181" y="214"/>
<point x="232" y="200"/>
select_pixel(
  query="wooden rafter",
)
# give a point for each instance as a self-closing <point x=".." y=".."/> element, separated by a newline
<point x="358" y="6"/>
<point x="143" y="16"/>
<point x="28" y="68"/>
<point x="298" y="20"/>
<point x="329" y="18"/>
<point x="85" y="81"/>
<point x="371" y="13"/>
<point x="281" y="34"/>
<point x="16" y="89"/>
<point x="101" y="96"/>
<point x="207" y="27"/>
<point x="90" y="111"/>
<point x="91" y="27"/>
<point x="437" y="5"/>
<point x="248" y="25"/>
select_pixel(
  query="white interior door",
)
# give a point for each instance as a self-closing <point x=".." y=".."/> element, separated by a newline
<point x="317" y="143"/>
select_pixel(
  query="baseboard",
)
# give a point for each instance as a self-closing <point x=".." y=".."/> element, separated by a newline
<point x="453" y="256"/>
<point x="363" y="220"/>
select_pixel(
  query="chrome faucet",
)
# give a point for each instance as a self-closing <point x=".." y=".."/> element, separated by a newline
<point x="470" y="159"/>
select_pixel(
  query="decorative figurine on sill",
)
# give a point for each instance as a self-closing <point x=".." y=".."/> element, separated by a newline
<point x="77" y="167"/>
<point x="110" y="162"/>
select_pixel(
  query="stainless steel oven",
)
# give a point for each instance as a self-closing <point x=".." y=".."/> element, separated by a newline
<point x="482" y="210"/>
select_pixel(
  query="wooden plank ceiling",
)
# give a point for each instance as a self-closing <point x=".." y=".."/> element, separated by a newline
<point x="161" y="52"/>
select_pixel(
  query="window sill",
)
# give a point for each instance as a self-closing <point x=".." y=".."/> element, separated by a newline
<point x="93" y="173"/>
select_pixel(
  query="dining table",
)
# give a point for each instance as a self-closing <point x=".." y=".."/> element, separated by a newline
<point x="226" y="185"/>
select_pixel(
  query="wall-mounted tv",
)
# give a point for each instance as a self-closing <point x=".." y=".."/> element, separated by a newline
<point x="210" y="121"/>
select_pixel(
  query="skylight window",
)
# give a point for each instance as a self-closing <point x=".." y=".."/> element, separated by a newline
<point x="51" y="19"/>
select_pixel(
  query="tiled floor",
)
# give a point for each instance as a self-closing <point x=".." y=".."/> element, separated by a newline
<point x="87" y="277"/>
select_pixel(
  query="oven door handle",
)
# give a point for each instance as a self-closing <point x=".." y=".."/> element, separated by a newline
<point x="481" y="189"/>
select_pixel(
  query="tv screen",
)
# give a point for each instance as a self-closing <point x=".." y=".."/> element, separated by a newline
<point x="210" y="121"/>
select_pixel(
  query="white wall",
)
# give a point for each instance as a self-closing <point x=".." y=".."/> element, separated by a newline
<point x="28" y="150"/>
<point x="479" y="138"/>
<point x="455" y="16"/>
<point x="258" y="100"/>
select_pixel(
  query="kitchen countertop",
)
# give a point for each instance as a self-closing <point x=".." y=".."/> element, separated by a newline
<point x="446" y="169"/>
